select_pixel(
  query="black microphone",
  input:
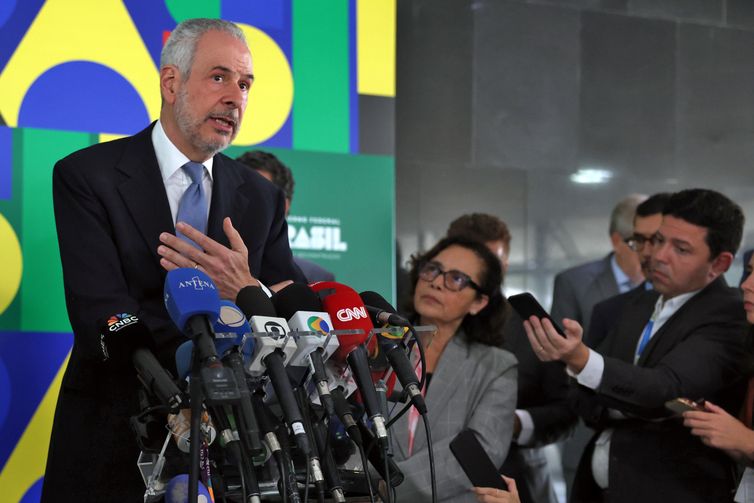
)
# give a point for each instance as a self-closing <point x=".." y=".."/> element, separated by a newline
<point x="395" y="351"/>
<point x="124" y="333"/>
<point x="271" y="356"/>
<point x="344" y="413"/>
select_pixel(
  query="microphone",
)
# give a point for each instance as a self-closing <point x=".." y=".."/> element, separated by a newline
<point x="347" y="312"/>
<point x="303" y="309"/>
<point x="270" y="355"/>
<point x="124" y="333"/>
<point x="235" y="346"/>
<point x="193" y="304"/>
<point x="381" y="311"/>
<point x="395" y="351"/>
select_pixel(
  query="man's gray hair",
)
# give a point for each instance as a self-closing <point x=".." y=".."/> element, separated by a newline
<point x="622" y="217"/>
<point x="181" y="45"/>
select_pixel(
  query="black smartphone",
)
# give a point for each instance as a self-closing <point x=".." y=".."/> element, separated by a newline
<point x="475" y="462"/>
<point x="526" y="306"/>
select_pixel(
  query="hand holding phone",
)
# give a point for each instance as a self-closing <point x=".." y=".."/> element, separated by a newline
<point x="527" y="306"/>
<point x="681" y="405"/>
<point x="475" y="462"/>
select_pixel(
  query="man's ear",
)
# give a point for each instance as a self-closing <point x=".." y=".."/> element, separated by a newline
<point x="169" y="82"/>
<point x="721" y="263"/>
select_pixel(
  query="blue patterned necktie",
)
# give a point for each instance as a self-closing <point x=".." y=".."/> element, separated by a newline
<point x="192" y="209"/>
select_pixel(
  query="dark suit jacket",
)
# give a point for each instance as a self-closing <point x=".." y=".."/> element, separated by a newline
<point x="543" y="391"/>
<point x="313" y="271"/>
<point x="698" y="352"/>
<point x="606" y="313"/>
<point x="578" y="289"/>
<point x="110" y="208"/>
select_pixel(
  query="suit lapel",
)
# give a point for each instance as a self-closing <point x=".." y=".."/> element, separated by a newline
<point x="143" y="190"/>
<point x="604" y="284"/>
<point x="668" y="338"/>
<point x="227" y="201"/>
<point x="635" y="319"/>
<point x="450" y="371"/>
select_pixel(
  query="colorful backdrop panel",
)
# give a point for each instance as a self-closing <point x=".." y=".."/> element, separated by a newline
<point x="77" y="72"/>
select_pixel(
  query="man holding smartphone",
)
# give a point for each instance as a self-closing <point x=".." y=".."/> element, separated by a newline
<point x="686" y="339"/>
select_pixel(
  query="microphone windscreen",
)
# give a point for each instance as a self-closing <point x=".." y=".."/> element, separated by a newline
<point x="293" y="298"/>
<point x="183" y="359"/>
<point x="120" y="334"/>
<point x="374" y="299"/>
<point x="347" y="312"/>
<point x="254" y="302"/>
<point x="230" y="328"/>
<point x="188" y="293"/>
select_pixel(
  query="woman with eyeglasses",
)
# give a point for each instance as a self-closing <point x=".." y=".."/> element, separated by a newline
<point x="717" y="428"/>
<point x="471" y="382"/>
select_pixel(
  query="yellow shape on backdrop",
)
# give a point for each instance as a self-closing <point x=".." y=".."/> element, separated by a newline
<point x="11" y="264"/>
<point x="100" y="31"/>
<point x="28" y="460"/>
<point x="375" y="47"/>
<point x="271" y="96"/>
<point x="103" y="137"/>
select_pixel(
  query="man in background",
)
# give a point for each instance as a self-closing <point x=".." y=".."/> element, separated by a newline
<point x="278" y="173"/>
<point x="646" y="224"/>
<point x="684" y="339"/>
<point x="578" y="289"/>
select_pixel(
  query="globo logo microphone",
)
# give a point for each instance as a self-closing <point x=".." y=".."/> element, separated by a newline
<point x="352" y="313"/>
<point x="318" y="324"/>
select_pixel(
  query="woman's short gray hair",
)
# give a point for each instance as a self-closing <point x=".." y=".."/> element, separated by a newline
<point x="181" y="45"/>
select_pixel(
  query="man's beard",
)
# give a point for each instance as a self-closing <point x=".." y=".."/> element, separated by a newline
<point x="190" y="126"/>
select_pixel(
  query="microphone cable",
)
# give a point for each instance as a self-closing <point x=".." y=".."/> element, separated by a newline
<point x="365" y="465"/>
<point x="430" y="451"/>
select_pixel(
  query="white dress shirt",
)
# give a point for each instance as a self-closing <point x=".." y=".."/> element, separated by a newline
<point x="170" y="160"/>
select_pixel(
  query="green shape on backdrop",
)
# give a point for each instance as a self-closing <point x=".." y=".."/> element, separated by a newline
<point x="42" y="296"/>
<point x="321" y="73"/>
<point x="11" y="209"/>
<point x="187" y="9"/>
<point x="358" y="192"/>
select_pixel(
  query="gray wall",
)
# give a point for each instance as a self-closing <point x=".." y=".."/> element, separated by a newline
<point x="500" y="101"/>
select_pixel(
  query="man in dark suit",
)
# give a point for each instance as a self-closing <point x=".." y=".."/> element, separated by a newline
<point x="543" y="415"/>
<point x="685" y="339"/>
<point x="646" y="223"/>
<point x="273" y="169"/>
<point x="578" y="289"/>
<point x="116" y="206"/>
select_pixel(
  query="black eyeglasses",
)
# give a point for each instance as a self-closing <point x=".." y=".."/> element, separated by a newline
<point x="637" y="241"/>
<point x="455" y="281"/>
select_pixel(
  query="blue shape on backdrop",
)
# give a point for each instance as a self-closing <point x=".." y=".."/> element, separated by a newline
<point x="6" y="163"/>
<point x="34" y="494"/>
<point x="83" y="96"/>
<point x="31" y="359"/>
<point x="6" y="9"/>
<point x="15" y="19"/>
<point x="267" y="15"/>
<point x="151" y="20"/>
<point x="5" y="391"/>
